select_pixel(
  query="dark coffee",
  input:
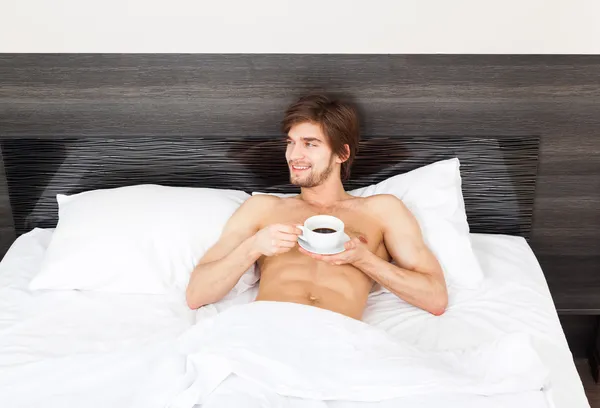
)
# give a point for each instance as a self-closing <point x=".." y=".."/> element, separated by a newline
<point x="324" y="230"/>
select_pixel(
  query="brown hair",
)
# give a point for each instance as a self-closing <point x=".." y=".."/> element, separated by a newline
<point x="338" y="121"/>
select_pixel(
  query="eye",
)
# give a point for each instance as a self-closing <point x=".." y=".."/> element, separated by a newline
<point x="289" y="142"/>
<point x="308" y="144"/>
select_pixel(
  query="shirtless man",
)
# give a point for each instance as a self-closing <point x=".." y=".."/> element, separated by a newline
<point x="322" y="139"/>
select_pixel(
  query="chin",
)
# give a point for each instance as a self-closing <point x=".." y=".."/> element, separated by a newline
<point x="303" y="183"/>
<point x="299" y="182"/>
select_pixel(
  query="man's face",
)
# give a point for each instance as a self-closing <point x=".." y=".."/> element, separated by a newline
<point x="309" y="156"/>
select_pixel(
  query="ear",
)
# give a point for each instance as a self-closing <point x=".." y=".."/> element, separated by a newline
<point x="344" y="156"/>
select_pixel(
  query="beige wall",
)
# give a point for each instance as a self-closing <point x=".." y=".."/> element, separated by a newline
<point x="301" y="26"/>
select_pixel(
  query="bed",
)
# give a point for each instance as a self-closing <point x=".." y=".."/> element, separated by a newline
<point x="79" y="348"/>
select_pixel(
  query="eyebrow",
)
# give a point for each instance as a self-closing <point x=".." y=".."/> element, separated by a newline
<point x="307" y="139"/>
<point x="311" y="139"/>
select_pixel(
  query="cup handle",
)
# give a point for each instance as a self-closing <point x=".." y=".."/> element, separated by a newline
<point x="303" y="229"/>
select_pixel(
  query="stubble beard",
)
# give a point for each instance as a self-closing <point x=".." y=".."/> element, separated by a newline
<point x="314" y="179"/>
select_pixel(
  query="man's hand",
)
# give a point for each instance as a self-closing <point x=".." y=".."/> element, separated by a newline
<point x="276" y="239"/>
<point x="355" y="250"/>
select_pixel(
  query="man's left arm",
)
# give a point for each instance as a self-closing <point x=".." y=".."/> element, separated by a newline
<point x="417" y="276"/>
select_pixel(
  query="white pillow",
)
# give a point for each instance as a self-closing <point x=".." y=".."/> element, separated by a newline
<point x="139" y="239"/>
<point x="434" y="196"/>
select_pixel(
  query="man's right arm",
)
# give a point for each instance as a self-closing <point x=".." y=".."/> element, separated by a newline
<point x="240" y="245"/>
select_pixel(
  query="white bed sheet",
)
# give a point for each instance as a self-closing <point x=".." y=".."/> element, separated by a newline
<point x="121" y="335"/>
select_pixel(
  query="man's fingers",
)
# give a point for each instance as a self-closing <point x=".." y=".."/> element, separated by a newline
<point x="286" y="244"/>
<point x="354" y="242"/>
<point x="284" y="236"/>
<point x="290" y="229"/>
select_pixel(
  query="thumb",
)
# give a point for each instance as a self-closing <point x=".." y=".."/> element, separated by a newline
<point x="350" y="244"/>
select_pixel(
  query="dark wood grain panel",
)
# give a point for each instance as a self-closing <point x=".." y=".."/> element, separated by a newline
<point x="550" y="215"/>
<point x="569" y="163"/>
<point x="562" y="144"/>
<point x="234" y="95"/>
<point x="574" y="282"/>
<point x="188" y="115"/>
<point x="561" y="185"/>
<point x="567" y="214"/>
<point x="574" y="152"/>
<point x="566" y="242"/>
<point x="592" y="390"/>
<point x="7" y="237"/>
<point x="7" y="231"/>
<point x="504" y="168"/>
<point x="567" y="211"/>
<point x="580" y="332"/>
<point x="572" y="75"/>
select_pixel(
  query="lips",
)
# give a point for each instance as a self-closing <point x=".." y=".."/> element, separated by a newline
<point x="300" y="168"/>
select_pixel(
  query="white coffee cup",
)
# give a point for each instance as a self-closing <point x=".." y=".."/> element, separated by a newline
<point x="321" y="240"/>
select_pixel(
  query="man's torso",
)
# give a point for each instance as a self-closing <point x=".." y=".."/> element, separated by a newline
<point x="295" y="277"/>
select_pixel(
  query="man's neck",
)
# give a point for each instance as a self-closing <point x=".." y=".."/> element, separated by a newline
<point x="326" y="194"/>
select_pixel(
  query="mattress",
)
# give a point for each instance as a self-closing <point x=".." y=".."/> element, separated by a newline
<point x="46" y="335"/>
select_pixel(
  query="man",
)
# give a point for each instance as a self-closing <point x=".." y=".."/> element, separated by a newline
<point x="322" y="140"/>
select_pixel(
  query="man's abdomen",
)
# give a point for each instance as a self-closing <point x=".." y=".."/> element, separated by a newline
<point x="298" y="279"/>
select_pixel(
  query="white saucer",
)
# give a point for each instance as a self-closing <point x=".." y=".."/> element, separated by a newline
<point x="330" y="251"/>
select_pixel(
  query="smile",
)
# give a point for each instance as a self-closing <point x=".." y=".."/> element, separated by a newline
<point x="299" y="168"/>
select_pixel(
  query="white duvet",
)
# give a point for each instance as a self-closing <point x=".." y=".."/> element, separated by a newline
<point x="62" y="349"/>
<point x="304" y="352"/>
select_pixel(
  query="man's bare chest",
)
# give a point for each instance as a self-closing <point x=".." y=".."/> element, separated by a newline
<point x="356" y="222"/>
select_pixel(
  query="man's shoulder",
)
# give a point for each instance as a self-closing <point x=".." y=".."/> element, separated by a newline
<point x="393" y="214"/>
<point x="252" y="211"/>
<point x="261" y="202"/>
<point x="384" y="205"/>
<point x="384" y="200"/>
